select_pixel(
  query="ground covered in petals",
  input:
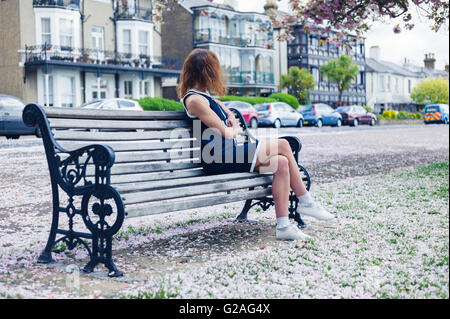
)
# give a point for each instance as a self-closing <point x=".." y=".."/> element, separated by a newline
<point x="390" y="241"/>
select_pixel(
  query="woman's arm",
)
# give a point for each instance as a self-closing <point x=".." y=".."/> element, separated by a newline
<point x="231" y="117"/>
<point x="199" y="107"/>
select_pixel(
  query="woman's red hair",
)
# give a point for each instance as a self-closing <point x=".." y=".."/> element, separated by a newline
<point x="201" y="69"/>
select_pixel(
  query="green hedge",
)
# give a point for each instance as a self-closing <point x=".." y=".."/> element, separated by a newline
<point x="276" y="97"/>
<point x="248" y="99"/>
<point x="160" y="104"/>
<point x="286" y="98"/>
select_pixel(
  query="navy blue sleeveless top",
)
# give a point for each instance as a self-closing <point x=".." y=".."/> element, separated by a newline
<point x="217" y="108"/>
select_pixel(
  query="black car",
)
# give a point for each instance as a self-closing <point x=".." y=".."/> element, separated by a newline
<point x="11" y="123"/>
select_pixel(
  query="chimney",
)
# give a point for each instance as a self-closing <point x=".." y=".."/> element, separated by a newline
<point x="429" y="61"/>
<point x="375" y="52"/>
<point x="231" y="3"/>
<point x="271" y="5"/>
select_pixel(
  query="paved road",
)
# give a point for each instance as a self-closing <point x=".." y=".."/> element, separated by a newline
<point x="328" y="153"/>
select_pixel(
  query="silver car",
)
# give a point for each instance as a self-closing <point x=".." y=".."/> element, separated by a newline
<point x="113" y="104"/>
<point x="278" y="114"/>
<point x="11" y="123"/>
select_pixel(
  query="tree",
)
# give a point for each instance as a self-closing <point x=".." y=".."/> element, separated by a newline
<point x="341" y="71"/>
<point x="298" y="82"/>
<point x="431" y="91"/>
<point x="356" y="16"/>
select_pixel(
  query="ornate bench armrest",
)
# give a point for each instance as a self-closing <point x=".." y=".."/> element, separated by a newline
<point x="73" y="169"/>
<point x="243" y="124"/>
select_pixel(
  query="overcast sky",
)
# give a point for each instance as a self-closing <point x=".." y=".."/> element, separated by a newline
<point x="394" y="47"/>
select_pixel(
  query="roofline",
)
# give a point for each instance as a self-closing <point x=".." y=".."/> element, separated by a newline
<point x="227" y="9"/>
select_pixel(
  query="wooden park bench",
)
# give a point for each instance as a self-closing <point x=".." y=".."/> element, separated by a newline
<point x="113" y="165"/>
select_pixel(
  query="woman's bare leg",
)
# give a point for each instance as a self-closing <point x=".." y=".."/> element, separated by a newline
<point x="279" y="165"/>
<point x="270" y="148"/>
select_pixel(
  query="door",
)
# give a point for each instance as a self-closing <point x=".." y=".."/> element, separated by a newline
<point x="282" y="114"/>
<point x="98" y="43"/>
<point x="364" y="116"/>
<point x="291" y="115"/>
<point x="326" y="113"/>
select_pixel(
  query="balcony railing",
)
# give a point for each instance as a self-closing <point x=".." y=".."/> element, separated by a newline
<point x="125" y="11"/>
<point x="66" y="4"/>
<point x="248" y="77"/>
<point x="210" y="35"/>
<point x="66" y="54"/>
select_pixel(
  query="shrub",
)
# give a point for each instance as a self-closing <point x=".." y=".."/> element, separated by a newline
<point x="286" y="98"/>
<point x="160" y="104"/>
<point x="402" y="115"/>
<point x="389" y="114"/>
<point x="419" y="116"/>
<point x="248" y="99"/>
<point x="367" y="108"/>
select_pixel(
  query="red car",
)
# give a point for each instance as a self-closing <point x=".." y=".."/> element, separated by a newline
<point x="248" y="111"/>
<point x="354" y="115"/>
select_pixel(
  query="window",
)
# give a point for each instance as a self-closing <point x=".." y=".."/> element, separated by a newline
<point x="67" y="91"/>
<point x="389" y="83"/>
<point x="125" y="104"/>
<point x="98" y="38"/>
<point x="396" y="86"/>
<point x="381" y="83"/>
<point x="362" y="76"/>
<point x="50" y="91"/>
<point x="127" y="41"/>
<point x="110" y="105"/>
<point x="128" y="88"/>
<point x="144" y="88"/>
<point x="103" y="89"/>
<point x="65" y="33"/>
<point x="45" y="31"/>
<point x="143" y="42"/>
<point x="409" y="86"/>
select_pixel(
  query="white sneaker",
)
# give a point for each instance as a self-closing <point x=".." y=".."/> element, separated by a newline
<point x="291" y="232"/>
<point x="314" y="210"/>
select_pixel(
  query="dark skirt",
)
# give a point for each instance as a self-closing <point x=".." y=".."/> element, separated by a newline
<point x="235" y="159"/>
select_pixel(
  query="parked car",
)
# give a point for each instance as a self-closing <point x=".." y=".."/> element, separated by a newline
<point x="113" y="104"/>
<point x="436" y="113"/>
<point x="249" y="113"/>
<point x="11" y="123"/>
<point x="320" y="114"/>
<point x="354" y="115"/>
<point x="278" y="114"/>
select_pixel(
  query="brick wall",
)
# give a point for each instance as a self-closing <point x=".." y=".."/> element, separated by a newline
<point x="177" y="32"/>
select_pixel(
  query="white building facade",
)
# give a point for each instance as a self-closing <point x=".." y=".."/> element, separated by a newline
<point x="84" y="50"/>
<point x="388" y="86"/>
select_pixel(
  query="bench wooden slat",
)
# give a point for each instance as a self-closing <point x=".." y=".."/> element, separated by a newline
<point x="139" y="187"/>
<point x="117" y="124"/>
<point x="79" y="113"/>
<point x="177" y="205"/>
<point x="144" y="168"/>
<point x="179" y="192"/>
<point x="142" y="157"/>
<point x="61" y="135"/>
<point x="147" y="177"/>
<point x="131" y="145"/>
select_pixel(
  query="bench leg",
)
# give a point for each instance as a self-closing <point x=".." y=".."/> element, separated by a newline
<point x="102" y="255"/>
<point x="242" y="217"/>
<point x="46" y="255"/>
<point x="97" y="207"/>
<point x="293" y="211"/>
